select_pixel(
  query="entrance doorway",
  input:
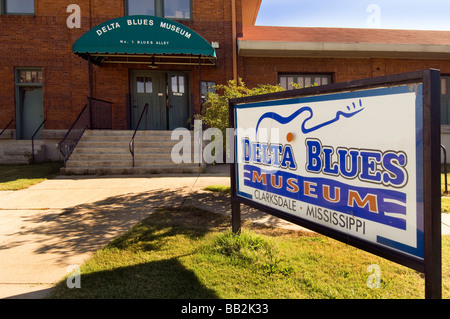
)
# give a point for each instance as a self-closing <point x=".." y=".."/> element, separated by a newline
<point x="166" y="94"/>
<point x="29" y="103"/>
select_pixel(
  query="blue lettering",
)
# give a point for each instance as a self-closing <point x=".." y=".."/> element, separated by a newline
<point x="371" y="166"/>
<point x="352" y="162"/>
<point x="267" y="154"/>
<point x="394" y="164"/>
<point x="256" y="152"/>
<point x="276" y="151"/>
<point x="288" y="157"/>
<point x="313" y="152"/>
<point x="247" y="150"/>
<point x="369" y="161"/>
<point x="328" y="168"/>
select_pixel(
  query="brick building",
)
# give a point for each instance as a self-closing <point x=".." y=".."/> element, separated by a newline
<point x="124" y="55"/>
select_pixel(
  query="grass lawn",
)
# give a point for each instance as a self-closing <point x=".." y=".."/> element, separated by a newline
<point x="16" y="177"/>
<point x="191" y="253"/>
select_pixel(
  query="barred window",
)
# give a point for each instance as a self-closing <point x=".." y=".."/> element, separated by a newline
<point x="304" y="80"/>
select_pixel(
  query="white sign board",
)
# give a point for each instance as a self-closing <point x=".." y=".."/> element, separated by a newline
<point x="350" y="162"/>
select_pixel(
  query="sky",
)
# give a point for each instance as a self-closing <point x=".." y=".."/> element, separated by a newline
<point x="381" y="14"/>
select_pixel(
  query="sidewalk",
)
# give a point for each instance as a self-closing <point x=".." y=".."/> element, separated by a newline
<point x="58" y="223"/>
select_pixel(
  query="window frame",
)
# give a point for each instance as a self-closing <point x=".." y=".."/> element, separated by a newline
<point x="3" y="10"/>
<point x="159" y="10"/>
<point x="210" y="88"/>
<point x="18" y="70"/>
<point x="298" y="75"/>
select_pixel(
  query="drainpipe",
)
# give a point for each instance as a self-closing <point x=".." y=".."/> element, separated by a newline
<point x="234" y="36"/>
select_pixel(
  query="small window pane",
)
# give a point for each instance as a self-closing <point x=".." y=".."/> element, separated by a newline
<point x="307" y="82"/>
<point x="148" y="85"/>
<point x="181" y="84"/>
<point x="34" y="77"/>
<point x="19" y="6"/>
<point x="204" y="88"/>
<point x="140" y="85"/>
<point x="177" y="9"/>
<point x="138" y="7"/>
<point x="174" y="84"/>
<point x="443" y="86"/>
<point x="208" y="87"/>
<point x="283" y="82"/>
<point x="290" y="80"/>
<point x="30" y="76"/>
<point x="303" y="80"/>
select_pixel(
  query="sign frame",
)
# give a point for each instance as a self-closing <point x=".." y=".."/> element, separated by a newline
<point x="431" y="265"/>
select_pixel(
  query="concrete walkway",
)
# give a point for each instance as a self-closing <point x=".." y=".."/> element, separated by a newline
<point x="58" y="223"/>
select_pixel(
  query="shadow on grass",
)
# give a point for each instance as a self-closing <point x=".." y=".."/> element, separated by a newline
<point x="165" y="279"/>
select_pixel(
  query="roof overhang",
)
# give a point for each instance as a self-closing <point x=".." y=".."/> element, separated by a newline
<point x="144" y="39"/>
<point x="249" y="48"/>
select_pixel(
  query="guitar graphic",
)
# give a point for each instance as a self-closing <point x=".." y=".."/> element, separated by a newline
<point x="349" y="112"/>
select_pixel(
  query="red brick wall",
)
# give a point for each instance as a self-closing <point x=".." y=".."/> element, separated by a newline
<point x="44" y="40"/>
<point x="256" y="71"/>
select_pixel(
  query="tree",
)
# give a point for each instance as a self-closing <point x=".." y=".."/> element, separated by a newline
<point x="215" y="112"/>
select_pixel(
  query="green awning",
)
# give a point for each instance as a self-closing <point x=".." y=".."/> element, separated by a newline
<point x="144" y="39"/>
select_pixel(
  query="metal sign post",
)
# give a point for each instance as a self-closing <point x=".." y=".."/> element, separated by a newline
<point x="356" y="161"/>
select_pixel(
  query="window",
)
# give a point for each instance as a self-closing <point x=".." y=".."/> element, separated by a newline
<point x="304" y="80"/>
<point x="17" y="6"/>
<point x="207" y="87"/>
<point x="144" y="84"/>
<point x="29" y="76"/>
<point x="177" y="85"/>
<point x="145" y="7"/>
<point x="445" y="100"/>
<point x="444" y="86"/>
<point x="177" y="9"/>
<point x="173" y="9"/>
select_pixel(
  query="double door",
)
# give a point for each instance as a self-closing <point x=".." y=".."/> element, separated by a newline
<point x="165" y="93"/>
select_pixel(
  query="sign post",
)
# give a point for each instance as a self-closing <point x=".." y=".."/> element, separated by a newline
<point x="356" y="161"/>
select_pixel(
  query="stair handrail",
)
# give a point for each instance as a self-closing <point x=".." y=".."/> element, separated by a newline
<point x="33" y="159"/>
<point x="6" y="127"/>
<point x="72" y="144"/>
<point x="131" y="145"/>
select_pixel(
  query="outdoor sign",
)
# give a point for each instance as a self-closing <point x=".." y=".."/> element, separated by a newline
<point x="142" y="34"/>
<point x="351" y="161"/>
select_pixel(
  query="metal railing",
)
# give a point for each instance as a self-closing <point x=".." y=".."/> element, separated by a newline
<point x="6" y="127"/>
<point x="33" y="158"/>
<point x="131" y="145"/>
<point x="100" y="114"/>
<point x="74" y="134"/>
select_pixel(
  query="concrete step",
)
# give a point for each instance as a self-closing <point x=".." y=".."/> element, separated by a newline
<point x="132" y="170"/>
<point x="107" y="152"/>
<point x="19" y="151"/>
<point x="151" y="156"/>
